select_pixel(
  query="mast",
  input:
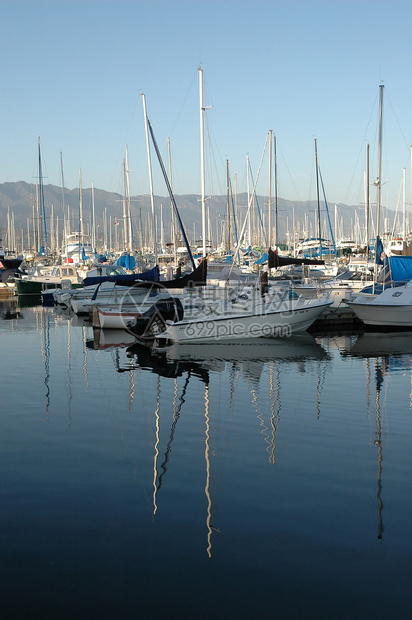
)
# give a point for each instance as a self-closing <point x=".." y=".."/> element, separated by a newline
<point x="270" y="191"/>
<point x="276" y="196"/>
<point x="248" y="200"/>
<point x="62" y="182"/>
<point x="93" y="221"/>
<point x="317" y="195"/>
<point x="228" y="205"/>
<point x="367" y="202"/>
<point x="404" y="207"/>
<point x="126" y="206"/>
<point x="42" y="199"/>
<point x="378" y="186"/>
<point x="128" y="221"/>
<point x="80" y="211"/>
<point x="378" y="179"/>
<point x="149" y="163"/>
<point x="202" y="160"/>
<point x="174" y="239"/>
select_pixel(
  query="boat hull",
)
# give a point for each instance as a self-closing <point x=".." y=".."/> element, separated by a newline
<point x="279" y="323"/>
<point x="383" y="315"/>
<point x="32" y="287"/>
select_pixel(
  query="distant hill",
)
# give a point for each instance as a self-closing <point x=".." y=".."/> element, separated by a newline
<point x="19" y="199"/>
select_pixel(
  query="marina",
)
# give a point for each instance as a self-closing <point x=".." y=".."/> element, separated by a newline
<point x="243" y="479"/>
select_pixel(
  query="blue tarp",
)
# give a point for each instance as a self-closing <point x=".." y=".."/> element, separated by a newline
<point x="398" y="269"/>
<point x="127" y="261"/>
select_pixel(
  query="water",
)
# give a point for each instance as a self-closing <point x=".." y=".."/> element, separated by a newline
<point x="269" y="480"/>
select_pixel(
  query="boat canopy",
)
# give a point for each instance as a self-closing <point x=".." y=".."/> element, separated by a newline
<point x="397" y="269"/>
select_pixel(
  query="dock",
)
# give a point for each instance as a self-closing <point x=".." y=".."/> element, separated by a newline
<point x="335" y="318"/>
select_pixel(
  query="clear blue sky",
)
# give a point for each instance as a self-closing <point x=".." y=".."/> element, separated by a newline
<point x="72" y="72"/>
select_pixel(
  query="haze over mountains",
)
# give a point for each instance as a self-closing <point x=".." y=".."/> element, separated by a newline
<point x="19" y="198"/>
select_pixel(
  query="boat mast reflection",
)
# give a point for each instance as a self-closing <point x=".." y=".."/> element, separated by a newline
<point x="45" y="352"/>
<point x="379" y="444"/>
<point x="390" y="352"/>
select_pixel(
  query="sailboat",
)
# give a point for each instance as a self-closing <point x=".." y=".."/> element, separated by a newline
<point x="78" y="245"/>
<point x="390" y="306"/>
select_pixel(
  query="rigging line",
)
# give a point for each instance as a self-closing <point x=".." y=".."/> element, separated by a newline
<point x="184" y="102"/>
<point x="408" y="144"/>
<point x="258" y="209"/>
<point x="172" y="198"/>
<point x="248" y="211"/>
<point x="233" y="210"/>
<point x="290" y="175"/>
<point x="213" y="159"/>
<point x="372" y="114"/>
<point x="327" y="212"/>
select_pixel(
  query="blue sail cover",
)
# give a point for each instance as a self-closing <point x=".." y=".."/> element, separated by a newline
<point x="379" y="254"/>
<point x="153" y="275"/>
<point x="398" y="269"/>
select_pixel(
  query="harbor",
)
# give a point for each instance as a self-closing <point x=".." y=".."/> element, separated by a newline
<point x="206" y="311"/>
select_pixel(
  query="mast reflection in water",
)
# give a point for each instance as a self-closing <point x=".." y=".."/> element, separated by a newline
<point x="248" y="480"/>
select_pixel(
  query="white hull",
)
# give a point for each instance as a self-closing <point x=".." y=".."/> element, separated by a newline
<point x="118" y="296"/>
<point x="383" y="315"/>
<point x="229" y="327"/>
<point x="116" y="318"/>
<point x="392" y="308"/>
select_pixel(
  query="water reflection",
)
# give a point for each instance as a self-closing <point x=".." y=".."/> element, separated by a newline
<point x="384" y="353"/>
<point x="254" y="386"/>
<point x="9" y="310"/>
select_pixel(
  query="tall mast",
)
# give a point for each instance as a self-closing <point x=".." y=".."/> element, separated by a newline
<point x="276" y="197"/>
<point x="62" y="182"/>
<point x="149" y="163"/>
<point x="270" y="191"/>
<point x="174" y="239"/>
<point x="228" y="205"/>
<point x="80" y="210"/>
<point x="317" y="196"/>
<point x="404" y="206"/>
<point x="367" y="202"/>
<point x="378" y="180"/>
<point x="202" y="160"/>
<point x="93" y="221"/>
<point x="42" y="199"/>
<point x="124" y="206"/>
<point x="129" y="234"/>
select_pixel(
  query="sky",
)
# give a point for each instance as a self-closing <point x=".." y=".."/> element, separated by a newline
<point x="73" y="72"/>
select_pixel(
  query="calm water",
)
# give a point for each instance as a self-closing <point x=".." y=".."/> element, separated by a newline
<point x="270" y="480"/>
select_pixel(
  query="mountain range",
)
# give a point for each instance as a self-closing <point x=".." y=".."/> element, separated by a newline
<point x="19" y="199"/>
